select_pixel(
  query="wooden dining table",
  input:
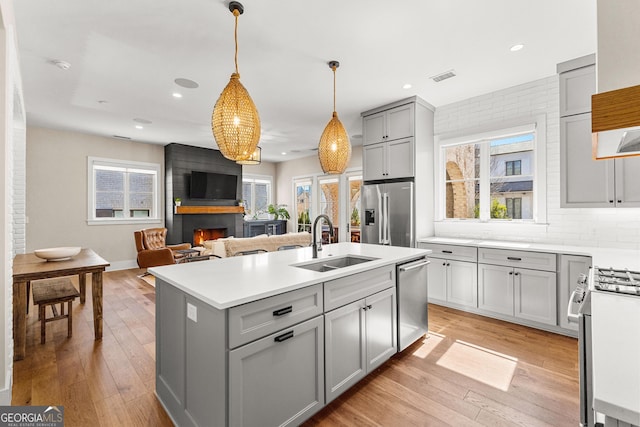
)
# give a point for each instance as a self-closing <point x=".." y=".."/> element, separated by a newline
<point x="28" y="267"/>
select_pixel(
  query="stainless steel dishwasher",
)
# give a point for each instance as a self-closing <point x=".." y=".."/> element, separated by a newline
<point x="412" y="301"/>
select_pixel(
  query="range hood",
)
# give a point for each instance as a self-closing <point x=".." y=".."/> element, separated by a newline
<point x="615" y="123"/>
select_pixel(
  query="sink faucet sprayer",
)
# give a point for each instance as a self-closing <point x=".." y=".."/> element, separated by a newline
<point x="318" y="247"/>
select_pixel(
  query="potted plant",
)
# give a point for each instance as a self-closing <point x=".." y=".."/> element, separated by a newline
<point x="177" y="201"/>
<point x="355" y="217"/>
<point x="278" y="212"/>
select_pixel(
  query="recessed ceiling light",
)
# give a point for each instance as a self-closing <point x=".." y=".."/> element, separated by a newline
<point x="284" y="153"/>
<point x="177" y="95"/>
<point x="139" y="127"/>
<point x="406" y="86"/>
<point x="186" y="83"/>
<point x="516" y="47"/>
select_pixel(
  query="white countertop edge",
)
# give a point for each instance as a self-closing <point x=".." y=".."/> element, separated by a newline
<point x="602" y="257"/>
<point x="282" y="260"/>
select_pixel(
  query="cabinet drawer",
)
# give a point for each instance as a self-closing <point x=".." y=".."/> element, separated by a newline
<point x="254" y="320"/>
<point x="348" y="289"/>
<point x="523" y="259"/>
<point x="453" y="252"/>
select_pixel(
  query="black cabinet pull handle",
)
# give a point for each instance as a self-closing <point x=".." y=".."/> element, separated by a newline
<point x="444" y="263"/>
<point x="447" y="252"/>
<point x="283" y="311"/>
<point x="619" y="201"/>
<point x="517" y="274"/>
<point x="284" y="336"/>
<point x="369" y="307"/>
<point x="510" y="273"/>
<point x="514" y="258"/>
<point x="610" y="201"/>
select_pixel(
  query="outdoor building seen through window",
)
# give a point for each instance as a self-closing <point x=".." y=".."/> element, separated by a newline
<point x="496" y="173"/>
<point x="123" y="192"/>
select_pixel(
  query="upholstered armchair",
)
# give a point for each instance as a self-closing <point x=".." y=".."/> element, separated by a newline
<point x="153" y="250"/>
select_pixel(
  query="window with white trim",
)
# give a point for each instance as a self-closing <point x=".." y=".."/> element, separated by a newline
<point x="493" y="176"/>
<point x="122" y="191"/>
<point x="256" y="193"/>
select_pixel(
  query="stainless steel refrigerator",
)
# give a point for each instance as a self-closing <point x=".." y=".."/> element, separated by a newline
<point x="388" y="214"/>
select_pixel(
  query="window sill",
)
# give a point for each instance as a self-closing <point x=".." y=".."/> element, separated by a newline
<point x="124" y="221"/>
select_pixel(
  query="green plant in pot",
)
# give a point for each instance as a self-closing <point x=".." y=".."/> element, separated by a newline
<point x="355" y="217"/>
<point x="279" y="211"/>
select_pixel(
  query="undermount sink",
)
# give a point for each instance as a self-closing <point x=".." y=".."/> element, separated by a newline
<point x="330" y="264"/>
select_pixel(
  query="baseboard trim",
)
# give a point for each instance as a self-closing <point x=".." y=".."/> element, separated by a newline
<point x="5" y="393"/>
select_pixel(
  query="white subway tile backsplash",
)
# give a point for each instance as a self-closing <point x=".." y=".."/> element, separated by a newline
<point x="615" y="227"/>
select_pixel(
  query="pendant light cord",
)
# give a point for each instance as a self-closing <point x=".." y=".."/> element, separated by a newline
<point x="236" y="13"/>
<point x="334" y="89"/>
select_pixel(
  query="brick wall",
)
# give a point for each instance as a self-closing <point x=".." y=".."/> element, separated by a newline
<point x="612" y="227"/>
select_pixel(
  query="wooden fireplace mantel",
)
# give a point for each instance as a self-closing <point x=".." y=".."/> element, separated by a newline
<point x="209" y="210"/>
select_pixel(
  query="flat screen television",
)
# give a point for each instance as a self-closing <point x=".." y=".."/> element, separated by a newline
<point x="213" y="186"/>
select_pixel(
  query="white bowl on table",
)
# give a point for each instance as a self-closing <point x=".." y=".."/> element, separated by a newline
<point x="57" y="254"/>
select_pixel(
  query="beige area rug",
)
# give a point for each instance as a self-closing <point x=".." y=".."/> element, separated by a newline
<point x="150" y="279"/>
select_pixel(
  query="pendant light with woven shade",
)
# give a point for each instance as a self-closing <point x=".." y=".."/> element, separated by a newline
<point x="235" y="122"/>
<point x="334" y="149"/>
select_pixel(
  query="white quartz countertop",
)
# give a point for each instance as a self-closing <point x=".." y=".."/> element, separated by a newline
<point x="602" y="257"/>
<point x="228" y="282"/>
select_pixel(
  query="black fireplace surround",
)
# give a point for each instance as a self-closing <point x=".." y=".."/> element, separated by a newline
<point x="179" y="161"/>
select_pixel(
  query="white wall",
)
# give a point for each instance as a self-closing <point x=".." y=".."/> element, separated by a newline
<point x="11" y="185"/>
<point x="614" y="227"/>
<point x="57" y="192"/>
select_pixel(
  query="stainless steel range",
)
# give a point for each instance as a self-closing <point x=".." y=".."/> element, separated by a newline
<point x="612" y="280"/>
<point x="608" y="300"/>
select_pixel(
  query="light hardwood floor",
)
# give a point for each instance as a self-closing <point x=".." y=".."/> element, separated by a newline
<point x="471" y="371"/>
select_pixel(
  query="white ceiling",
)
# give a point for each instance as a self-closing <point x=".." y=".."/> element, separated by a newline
<point x="129" y="53"/>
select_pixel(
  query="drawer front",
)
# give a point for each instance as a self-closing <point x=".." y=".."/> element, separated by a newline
<point x="453" y="252"/>
<point x="348" y="289"/>
<point x="251" y="321"/>
<point x="524" y="259"/>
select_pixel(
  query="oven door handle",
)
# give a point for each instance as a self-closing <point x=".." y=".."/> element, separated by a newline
<point x="571" y="316"/>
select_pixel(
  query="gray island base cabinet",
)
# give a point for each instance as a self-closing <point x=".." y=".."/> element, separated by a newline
<point x="274" y="360"/>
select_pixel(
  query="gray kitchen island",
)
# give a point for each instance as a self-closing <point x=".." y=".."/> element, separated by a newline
<point x="270" y="339"/>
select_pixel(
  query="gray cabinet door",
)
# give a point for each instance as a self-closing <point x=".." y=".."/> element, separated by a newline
<point x="437" y="280"/>
<point x="584" y="182"/>
<point x="278" y="380"/>
<point x="381" y="330"/>
<point x="374" y="161"/>
<point x="399" y="161"/>
<point x="495" y="288"/>
<point x="535" y="295"/>
<point x="627" y="179"/>
<point x="400" y="122"/>
<point x="571" y="266"/>
<point x="374" y="128"/>
<point x="462" y="283"/>
<point x="576" y="88"/>
<point x="345" y="348"/>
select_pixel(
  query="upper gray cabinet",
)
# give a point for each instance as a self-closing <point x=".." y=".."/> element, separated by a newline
<point x="576" y="88"/>
<point x="395" y="136"/>
<point x="389" y="125"/>
<point x="585" y="182"/>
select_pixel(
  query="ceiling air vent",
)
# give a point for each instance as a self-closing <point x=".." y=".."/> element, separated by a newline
<point x="443" y="76"/>
<point x="121" y="137"/>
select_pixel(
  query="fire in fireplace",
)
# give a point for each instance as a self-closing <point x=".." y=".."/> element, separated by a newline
<point x="202" y="234"/>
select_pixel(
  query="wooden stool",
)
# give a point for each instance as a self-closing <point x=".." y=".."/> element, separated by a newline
<point x="50" y="292"/>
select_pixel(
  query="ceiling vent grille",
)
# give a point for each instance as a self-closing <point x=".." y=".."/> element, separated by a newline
<point x="121" y="137"/>
<point x="443" y="76"/>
